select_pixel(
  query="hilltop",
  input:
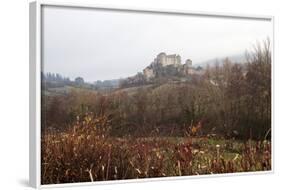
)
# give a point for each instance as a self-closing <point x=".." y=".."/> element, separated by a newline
<point x="164" y="68"/>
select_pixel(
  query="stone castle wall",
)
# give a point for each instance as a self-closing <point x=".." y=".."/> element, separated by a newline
<point x="166" y="60"/>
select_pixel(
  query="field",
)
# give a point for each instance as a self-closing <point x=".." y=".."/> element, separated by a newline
<point x="91" y="155"/>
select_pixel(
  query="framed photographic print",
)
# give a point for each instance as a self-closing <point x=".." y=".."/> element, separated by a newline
<point x="126" y="94"/>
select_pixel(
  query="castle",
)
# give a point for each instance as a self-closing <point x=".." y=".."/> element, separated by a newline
<point x="164" y="60"/>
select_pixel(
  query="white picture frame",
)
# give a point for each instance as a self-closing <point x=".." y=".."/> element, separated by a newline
<point x="35" y="31"/>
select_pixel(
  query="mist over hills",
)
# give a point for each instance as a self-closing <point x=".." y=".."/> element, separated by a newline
<point x="163" y="68"/>
<point x="237" y="58"/>
<point x="171" y="70"/>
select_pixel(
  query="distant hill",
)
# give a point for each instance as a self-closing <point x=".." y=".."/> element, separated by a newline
<point x="164" y="68"/>
<point x="238" y="58"/>
<point x="106" y="84"/>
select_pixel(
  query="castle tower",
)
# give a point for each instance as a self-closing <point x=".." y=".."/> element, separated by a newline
<point x="164" y="59"/>
<point x="188" y="62"/>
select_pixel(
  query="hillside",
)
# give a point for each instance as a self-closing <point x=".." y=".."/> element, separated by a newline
<point x="164" y="68"/>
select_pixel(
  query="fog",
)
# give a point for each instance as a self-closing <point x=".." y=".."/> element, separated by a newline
<point x="103" y="44"/>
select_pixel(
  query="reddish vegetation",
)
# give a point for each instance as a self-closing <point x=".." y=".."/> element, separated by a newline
<point x="86" y="153"/>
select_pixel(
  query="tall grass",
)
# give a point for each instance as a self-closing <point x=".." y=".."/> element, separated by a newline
<point x="85" y="152"/>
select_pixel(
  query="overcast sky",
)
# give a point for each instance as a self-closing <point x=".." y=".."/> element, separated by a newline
<point x="102" y="44"/>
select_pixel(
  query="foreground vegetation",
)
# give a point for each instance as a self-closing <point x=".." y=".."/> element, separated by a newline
<point x="87" y="153"/>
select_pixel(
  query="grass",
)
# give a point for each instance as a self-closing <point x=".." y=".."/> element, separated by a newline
<point x="87" y="153"/>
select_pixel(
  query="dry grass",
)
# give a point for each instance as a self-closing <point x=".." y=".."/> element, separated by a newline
<point x="87" y="153"/>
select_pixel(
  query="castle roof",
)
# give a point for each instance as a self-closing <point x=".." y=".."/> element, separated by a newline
<point x="162" y="53"/>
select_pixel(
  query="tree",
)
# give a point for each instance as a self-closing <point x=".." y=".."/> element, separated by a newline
<point x="79" y="81"/>
<point x="258" y="81"/>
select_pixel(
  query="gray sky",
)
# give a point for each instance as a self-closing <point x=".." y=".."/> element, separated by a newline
<point x="100" y="45"/>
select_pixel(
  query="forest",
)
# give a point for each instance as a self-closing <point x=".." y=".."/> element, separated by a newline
<point x="217" y="122"/>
